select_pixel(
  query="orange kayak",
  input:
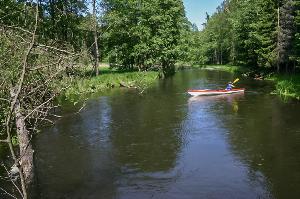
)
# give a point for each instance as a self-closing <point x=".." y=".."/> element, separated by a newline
<point x="214" y="92"/>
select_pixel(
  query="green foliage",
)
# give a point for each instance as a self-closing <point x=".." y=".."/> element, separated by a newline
<point x="253" y="34"/>
<point x="228" y="68"/>
<point x="144" y="33"/>
<point x="61" y="21"/>
<point x="85" y="86"/>
<point x="287" y="86"/>
<point x="296" y="43"/>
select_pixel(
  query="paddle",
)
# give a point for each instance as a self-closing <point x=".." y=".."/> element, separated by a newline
<point x="236" y="80"/>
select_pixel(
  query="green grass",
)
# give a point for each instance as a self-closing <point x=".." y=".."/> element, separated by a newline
<point x="227" y="68"/>
<point x="287" y="86"/>
<point x="86" y="84"/>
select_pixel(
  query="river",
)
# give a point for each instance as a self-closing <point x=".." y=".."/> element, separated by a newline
<point x="165" y="144"/>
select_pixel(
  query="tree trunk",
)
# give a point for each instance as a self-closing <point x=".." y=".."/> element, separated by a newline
<point x="216" y="57"/>
<point x="26" y="151"/>
<point x="96" y="39"/>
<point x="294" y="66"/>
<point x="221" y="56"/>
<point x="278" y="33"/>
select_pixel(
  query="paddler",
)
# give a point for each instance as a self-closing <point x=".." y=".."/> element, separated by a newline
<point x="229" y="86"/>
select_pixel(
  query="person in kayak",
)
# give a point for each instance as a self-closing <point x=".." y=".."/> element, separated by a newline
<point x="229" y="86"/>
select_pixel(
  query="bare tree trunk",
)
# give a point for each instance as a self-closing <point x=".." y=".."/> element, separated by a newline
<point x="216" y="57"/>
<point x="221" y="55"/>
<point x="96" y="39"/>
<point x="278" y="29"/>
<point x="26" y="151"/>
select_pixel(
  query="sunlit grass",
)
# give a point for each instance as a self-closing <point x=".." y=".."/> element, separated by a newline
<point x="85" y="83"/>
<point x="227" y="68"/>
<point x="287" y="85"/>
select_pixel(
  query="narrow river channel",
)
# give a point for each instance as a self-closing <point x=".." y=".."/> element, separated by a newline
<point x="164" y="144"/>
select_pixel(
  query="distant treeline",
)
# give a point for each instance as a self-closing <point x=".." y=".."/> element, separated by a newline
<point x="256" y="33"/>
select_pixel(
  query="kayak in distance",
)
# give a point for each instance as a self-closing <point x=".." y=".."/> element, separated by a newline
<point x="214" y="92"/>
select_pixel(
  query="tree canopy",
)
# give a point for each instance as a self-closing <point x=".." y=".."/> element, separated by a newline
<point x="263" y="33"/>
<point x="143" y="33"/>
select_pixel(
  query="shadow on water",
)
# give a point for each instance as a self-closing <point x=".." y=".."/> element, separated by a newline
<point x="167" y="145"/>
<point x="266" y="136"/>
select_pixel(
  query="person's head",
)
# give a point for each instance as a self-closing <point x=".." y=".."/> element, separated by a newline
<point x="229" y="82"/>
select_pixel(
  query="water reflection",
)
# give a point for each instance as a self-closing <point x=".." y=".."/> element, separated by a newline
<point x="213" y="161"/>
<point x="145" y="134"/>
<point x="75" y="160"/>
<point x="265" y="136"/>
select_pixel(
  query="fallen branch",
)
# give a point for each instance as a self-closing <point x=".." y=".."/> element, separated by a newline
<point x="56" y="49"/>
<point x="38" y="107"/>
<point x="84" y="104"/>
<point x="4" y="99"/>
<point x="6" y="192"/>
<point x="11" y="180"/>
<point x="4" y="140"/>
<point x="15" y="92"/>
<point x="48" y="65"/>
<point x="18" y="28"/>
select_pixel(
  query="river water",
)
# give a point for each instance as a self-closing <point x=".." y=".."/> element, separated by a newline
<point x="165" y="144"/>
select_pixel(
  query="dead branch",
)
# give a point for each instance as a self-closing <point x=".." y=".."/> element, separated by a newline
<point x="25" y="60"/>
<point x="38" y="107"/>
<point x="49" y="114"/>
<point x="18" y="28"/>
<point x="48" y="65"/>
<point x="5" y="141"/>
<point x="11" y="180"/>
<point x="56" y="49"/>
<point x="48" y="80"/>
<point x="15" y="96"/>
<point x="84" y="104"/>
<point x="4" y="99"/>
<point x="6" y="193"/>
<point x="47" y="120"/>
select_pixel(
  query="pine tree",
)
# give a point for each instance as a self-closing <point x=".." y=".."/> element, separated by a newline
<point x="286" y="32"/>
<point x="296" y="40"/>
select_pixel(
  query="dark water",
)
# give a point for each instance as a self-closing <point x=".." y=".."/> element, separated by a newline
<point x="165" y="144"/>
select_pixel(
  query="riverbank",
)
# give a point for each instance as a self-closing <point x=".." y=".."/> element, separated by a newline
<point x="287" y="85"/>
<point x="85" y="84"/>
<point x="227" y="68"/>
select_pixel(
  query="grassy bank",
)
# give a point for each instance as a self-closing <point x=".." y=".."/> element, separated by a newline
<point x="86" y="84"/>
<point x="287" y="85"/>
<point x="227" y="68"/>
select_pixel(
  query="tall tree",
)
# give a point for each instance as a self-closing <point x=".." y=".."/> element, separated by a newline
<point x="285" y="33"/>
<point x="295" y="55"/>
<point x="61" y="20"/>
<point x="96" y="50"/>
<point x="144" y="33"/>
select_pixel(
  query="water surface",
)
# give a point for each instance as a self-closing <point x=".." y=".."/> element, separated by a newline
<point x="165" y="144"/>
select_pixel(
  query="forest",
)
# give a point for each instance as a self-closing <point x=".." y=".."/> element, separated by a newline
<point x="47" y="45"/>
<point x="257" y="34"/>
